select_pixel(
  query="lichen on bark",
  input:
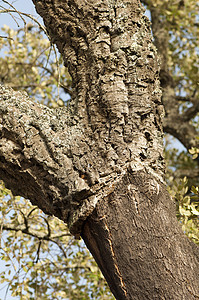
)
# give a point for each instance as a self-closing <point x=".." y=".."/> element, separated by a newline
<point x="114" y="121"/>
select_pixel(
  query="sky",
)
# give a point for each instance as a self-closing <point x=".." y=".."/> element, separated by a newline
<point x="7" y="19"/>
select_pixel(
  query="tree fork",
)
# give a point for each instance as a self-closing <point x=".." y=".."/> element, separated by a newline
<point x="105" y="151"/>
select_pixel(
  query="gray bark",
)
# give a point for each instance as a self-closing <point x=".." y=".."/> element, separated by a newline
<point x="99" y="165"/>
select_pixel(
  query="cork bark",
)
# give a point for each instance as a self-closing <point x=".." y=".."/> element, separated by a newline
<point x="98" y="165"/>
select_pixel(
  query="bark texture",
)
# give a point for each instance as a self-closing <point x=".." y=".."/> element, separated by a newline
<point x="100" y="162"/>
<point x="144" y="254"/>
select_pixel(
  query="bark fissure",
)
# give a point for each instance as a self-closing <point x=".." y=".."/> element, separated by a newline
<point x="144" y="238"/>
<point x="116" y="266"/>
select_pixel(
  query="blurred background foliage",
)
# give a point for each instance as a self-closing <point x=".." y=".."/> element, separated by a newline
<point x="42" y="260"/>
<point x="30" y="63"/>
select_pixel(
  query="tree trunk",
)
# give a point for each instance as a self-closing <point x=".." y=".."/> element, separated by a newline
<point x="134" y="237"/>
<point x="99" y="166"/>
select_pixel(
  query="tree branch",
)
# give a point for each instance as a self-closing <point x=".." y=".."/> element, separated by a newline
<point x="111" y="152"/>
<point x="186" y="99"/>
<point x="191" y="112"/>
<point x="174" y="123"/>
<point x="32" y="232"/>
<point x="183" y="131"/>
<point x="41" y="146"/>
<point x="35" y="233"/>
<point x="96" y="141"/>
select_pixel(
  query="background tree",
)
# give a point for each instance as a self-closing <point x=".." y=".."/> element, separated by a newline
<point x="190" y="209"/>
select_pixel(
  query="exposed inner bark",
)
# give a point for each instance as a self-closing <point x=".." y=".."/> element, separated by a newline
<point x="143" y="253"/>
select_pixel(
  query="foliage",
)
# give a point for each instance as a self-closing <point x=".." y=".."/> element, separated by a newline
<point x="182" y="23"/>
<point x="43" y="261"/>
<point x="183" y="27"/>
<point x="184" y="191"/>
<point x="180" y="164"/>
<point x="194" y="151"/>
<point x="29" y="63"/>
<point x="187" y="207"/>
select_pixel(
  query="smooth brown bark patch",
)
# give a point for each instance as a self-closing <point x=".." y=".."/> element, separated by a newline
<point x="134" y="237"/>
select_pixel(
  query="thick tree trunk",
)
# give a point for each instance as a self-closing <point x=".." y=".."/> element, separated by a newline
<point x="134" y="237"/>
<point x="99" y="165"/>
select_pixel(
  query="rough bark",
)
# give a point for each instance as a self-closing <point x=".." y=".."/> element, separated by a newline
<point x="41" y="150"/>
<point x="100" y="162"/>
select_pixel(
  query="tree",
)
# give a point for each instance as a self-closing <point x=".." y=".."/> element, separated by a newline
<point x="98" y="164"/>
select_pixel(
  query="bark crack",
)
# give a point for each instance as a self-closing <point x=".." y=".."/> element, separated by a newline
<point x="115" y="260"/>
